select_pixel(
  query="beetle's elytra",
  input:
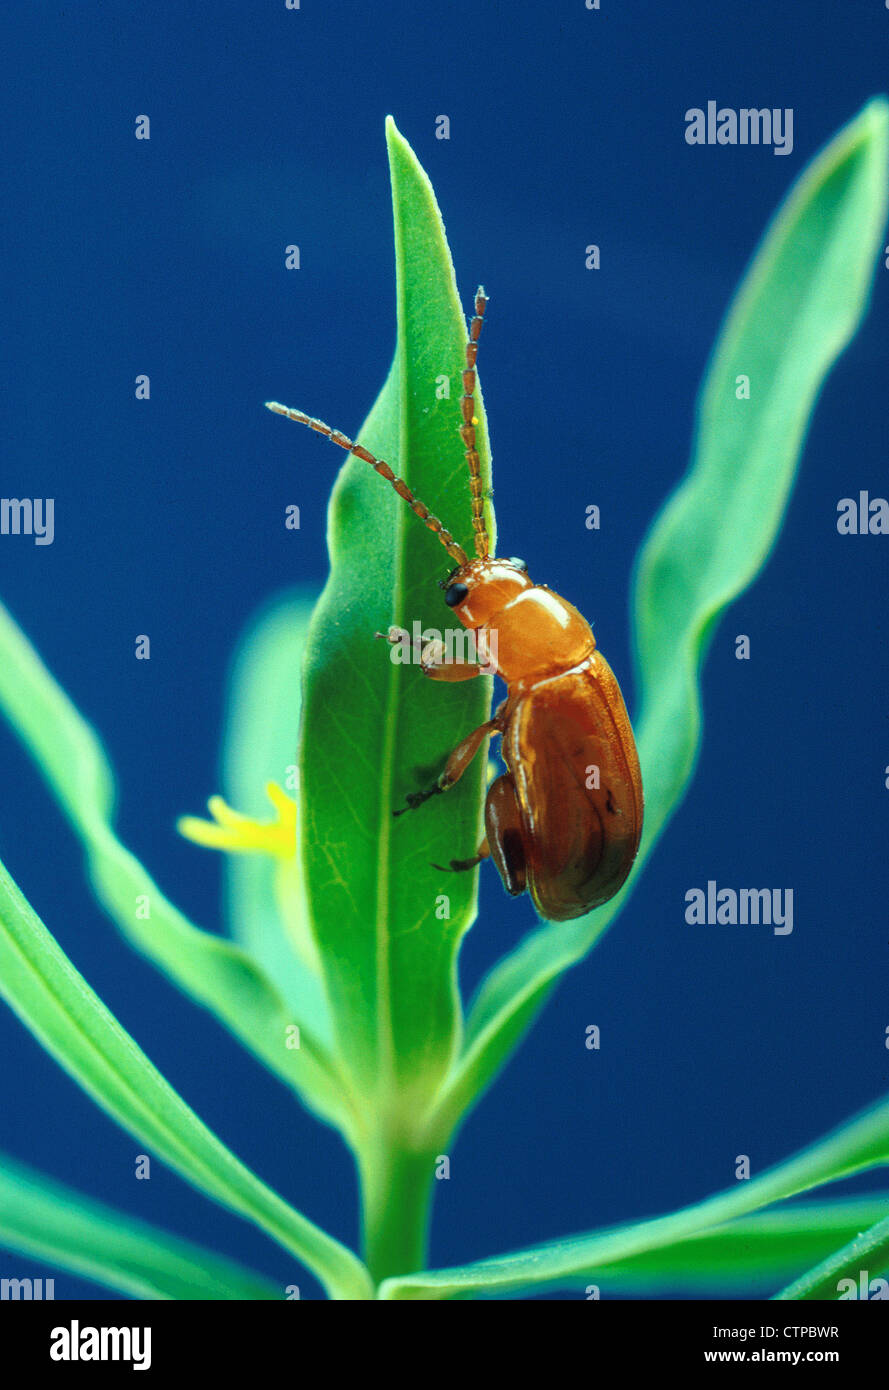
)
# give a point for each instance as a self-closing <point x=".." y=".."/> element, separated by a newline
<point x="564" y="821"/>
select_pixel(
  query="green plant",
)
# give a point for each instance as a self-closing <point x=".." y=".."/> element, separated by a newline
<point x="341" y="940"/>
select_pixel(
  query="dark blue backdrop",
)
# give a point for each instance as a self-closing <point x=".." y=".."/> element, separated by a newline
<point x="166" y="257"/>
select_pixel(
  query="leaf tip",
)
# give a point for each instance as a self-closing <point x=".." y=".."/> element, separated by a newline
<point x="875" y="118"/>
<point x="876" y="111"/>
<point x="394" y="137"/>
<point x="867" y="132"/>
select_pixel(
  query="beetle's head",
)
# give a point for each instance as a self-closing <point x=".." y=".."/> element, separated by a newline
<point x="481" y="588"/>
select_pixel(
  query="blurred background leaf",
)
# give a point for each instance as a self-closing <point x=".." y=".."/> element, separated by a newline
<point x="52" y="1222"/>
<point x="214" y="971"/>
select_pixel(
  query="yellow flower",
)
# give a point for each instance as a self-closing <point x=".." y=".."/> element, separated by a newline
<point x="238" y="834"/>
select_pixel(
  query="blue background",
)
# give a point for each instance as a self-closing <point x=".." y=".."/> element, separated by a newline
<point x="166" y="257"/>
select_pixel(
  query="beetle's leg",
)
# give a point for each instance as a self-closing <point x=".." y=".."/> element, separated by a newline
<point x="504" y="842"/>
<point x="434" y="657"/>
<point x="455" y="766"/>
<point x="503" y="822"/>
<point x="458" y="866"/>
<point x="434" y="663"/>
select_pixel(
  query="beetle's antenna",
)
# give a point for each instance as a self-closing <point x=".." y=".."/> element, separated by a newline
<point x="419" y="508"/>
<point x="467" y="429"/>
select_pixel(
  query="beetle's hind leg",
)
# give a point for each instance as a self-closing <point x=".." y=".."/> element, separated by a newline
<point x="504" y="842"/>
<point x="503" y="822"/>
<point x="455" y="766"/>
<point x="459" y="866"/>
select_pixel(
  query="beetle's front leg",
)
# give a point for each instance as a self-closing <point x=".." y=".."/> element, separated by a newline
<point x="455" y="766"/>
<point x="433" y="655"/>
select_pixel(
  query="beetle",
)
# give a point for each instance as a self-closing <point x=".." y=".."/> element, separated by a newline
<point x="564" y="821"/>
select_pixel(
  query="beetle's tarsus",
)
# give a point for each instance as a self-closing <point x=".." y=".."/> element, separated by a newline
<point x="415" y="799"/>
<point x="458" y="866"/>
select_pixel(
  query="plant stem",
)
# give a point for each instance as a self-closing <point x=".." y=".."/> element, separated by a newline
<point x="396" y="1190"/>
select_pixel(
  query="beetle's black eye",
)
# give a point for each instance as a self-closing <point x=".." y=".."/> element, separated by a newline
<point x="519" y="564"/>
<point x="455" y="594"/>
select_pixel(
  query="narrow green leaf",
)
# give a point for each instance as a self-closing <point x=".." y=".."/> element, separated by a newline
<point x="55" y="1224"/>
<point x="54" y="1001"/>
<point x="863" y="1142"/>
<point x="266" y="904"/>
<point x="863" y="1258"/>
<point x="749" y="1255"/>
<point x="373" y="730"/>
<point x="798" y="306"/>
<point x="214" y="971"/>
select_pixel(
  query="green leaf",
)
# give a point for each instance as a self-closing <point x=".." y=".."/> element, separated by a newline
<point x="863" y="1142"/>
<point x="798" y="306"/>
<point x="266" y="901"/>
<point x="749" y="1255"/>
<point x="866" y="1253"/>
<point x="373" y="730"/>
<point x="212" y="970"/>
<point x="54" y="1001"/>
<point x="49" y="1222"/>
<point x="745" y="1257"/>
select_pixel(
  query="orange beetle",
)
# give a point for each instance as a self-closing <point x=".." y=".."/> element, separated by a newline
<point x="564" y="821"/>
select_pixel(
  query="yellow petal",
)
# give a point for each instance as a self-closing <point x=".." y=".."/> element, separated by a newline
<point x="238" y="834"/>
